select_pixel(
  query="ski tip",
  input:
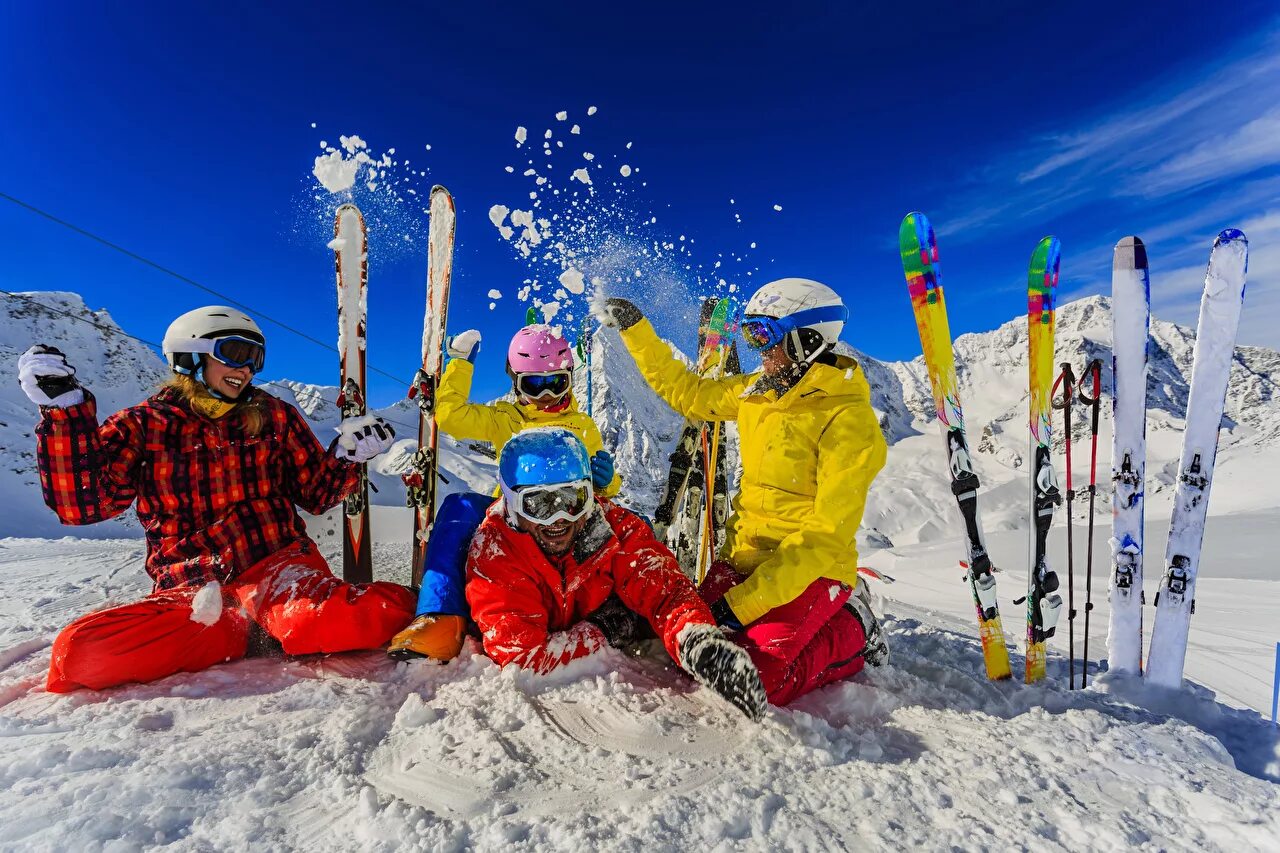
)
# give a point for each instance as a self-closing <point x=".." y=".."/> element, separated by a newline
<point x="1046" y="259"/>
<point x="1130" y="254"/>
<point x="1231" y="235"/>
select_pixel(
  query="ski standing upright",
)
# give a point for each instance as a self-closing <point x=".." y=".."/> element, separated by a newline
<point x="1130" y="327"/>
<point x="1210" y="371"/>
<point x="420" y="482"/>
<point x="584" y="357"/>
<point x="712" y="363"/>
<point x="919" y="251"/>
<point x="351" y="250"/>
<point x="1043" y="602"/>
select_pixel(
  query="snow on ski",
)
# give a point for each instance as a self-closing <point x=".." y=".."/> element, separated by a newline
<point x="1130" y="325"/>
<point x="351" y="251"/>
<point x="1211" y="369"/>
<point x="421" y="480"/>
<point x="919" y="250"/>
<point x="1043" y="602"/>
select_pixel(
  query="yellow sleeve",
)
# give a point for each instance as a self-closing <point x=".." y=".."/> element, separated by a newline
<point x="460" y="419"/>
<point x="851" y="452"/>
<point x="682" y="389"/>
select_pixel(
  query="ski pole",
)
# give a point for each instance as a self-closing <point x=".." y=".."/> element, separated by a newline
<point x="1093" y="372"/>
<point x="1068" y="380"/>
<point x="1275" y="689"/>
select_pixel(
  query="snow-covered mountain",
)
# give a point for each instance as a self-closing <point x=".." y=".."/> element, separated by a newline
<point x="910" y="502"/>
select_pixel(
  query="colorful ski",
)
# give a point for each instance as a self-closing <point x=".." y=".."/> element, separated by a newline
<point x="1130" y="326"/>
<point x="1210" y="372"/>
<point x="712" y="360"/>
<point x="351" y="247"/>
<point x="584" y="359"/>
<point x="684" y="493"/>
<point x="919" y="251"/>
<point x="420" y="482"/>
<point x="1043" y="602"/>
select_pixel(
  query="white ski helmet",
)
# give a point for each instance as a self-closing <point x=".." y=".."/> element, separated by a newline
<point x="810" y="317"/>
<point x="198" y="332"/>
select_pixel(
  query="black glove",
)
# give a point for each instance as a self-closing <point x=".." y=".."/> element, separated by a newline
<point x="725" y="617"/>
<point x="619" y="313"/>
<point x="713" y="660"/>
<point x="616" y="621"/>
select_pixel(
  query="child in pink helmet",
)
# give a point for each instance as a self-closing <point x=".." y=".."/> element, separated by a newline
<point x="540" y="363"/>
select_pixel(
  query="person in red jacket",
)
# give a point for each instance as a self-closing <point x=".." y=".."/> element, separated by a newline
<point x="216" y="470"/>
<point x="555" y="573"/>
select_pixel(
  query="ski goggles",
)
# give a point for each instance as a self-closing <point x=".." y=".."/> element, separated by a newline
<point x="231" y="350"/>
<point x="762" y="333"/>
<point x="549" y="504"/>
<point x="535" y="386"/>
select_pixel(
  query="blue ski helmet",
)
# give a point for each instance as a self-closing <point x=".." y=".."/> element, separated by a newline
<point x="545" y="456"/>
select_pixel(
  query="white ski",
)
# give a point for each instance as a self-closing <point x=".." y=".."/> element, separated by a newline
<point x="1211" y="368"/>
<point x="351" y="248"/>
<point x="1130" y="325"/>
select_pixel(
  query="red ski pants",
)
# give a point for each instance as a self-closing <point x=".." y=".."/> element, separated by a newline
<point x="799" y="646"/>
<point x="291" y="594"/>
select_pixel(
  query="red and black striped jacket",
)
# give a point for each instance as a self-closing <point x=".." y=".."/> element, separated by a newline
<point x="212" y="500"/>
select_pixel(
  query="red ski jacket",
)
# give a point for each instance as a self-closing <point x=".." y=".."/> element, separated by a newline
<point x="212" y="500"/>
<point x="530" y="607"/>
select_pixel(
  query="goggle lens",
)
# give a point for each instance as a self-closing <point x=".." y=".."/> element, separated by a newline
<point x="240" y="352"/>
<point x="535" y="385"/>
<point x="545" y="504"/>
<point x="760" y="333"/>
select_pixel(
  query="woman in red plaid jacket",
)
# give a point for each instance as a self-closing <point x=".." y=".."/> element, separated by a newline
<point x="217" y="470"/>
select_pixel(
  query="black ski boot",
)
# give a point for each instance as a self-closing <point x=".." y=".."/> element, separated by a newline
<point x="876" y="652"/>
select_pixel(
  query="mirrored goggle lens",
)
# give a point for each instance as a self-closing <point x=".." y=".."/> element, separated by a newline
<point x="760" y="333"/>
<point x="543" y="384"/>
<point x="543" y="505"/>
<point x="240" y="352"/>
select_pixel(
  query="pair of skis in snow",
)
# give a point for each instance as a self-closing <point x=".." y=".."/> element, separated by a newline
<point x="351" y="247"/>
<point x="1219" y="320"/>
<point x="697" y="487"/>
<point x="919" y="250"/>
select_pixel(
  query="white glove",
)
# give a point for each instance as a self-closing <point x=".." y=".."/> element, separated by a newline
<point x="47" y="379"/>
<point x="465" y="345"/>
<point x="361" y="439"/>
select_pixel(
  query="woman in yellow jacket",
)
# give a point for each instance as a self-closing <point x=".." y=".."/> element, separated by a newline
<point x="540" y="364"/>
<point x="810" y="446"/>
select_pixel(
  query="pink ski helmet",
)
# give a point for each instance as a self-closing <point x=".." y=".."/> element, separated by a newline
<point x="538" y="349"/>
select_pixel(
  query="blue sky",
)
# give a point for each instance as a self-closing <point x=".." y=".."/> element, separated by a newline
<point x="187" y="137"/>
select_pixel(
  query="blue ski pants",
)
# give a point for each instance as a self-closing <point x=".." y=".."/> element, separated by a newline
<point x="444" y="575"/>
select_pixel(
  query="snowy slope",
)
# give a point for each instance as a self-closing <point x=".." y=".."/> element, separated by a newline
<point x="614" y="753"/>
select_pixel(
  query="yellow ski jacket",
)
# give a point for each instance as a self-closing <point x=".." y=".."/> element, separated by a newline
<point x="497" y="422"/>
<point x="808" y="459"/>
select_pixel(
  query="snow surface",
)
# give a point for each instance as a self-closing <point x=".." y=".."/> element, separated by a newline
<point x="355" y="752"/>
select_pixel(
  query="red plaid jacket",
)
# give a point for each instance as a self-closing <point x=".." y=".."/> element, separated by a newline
<point x="212" y="500"/>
